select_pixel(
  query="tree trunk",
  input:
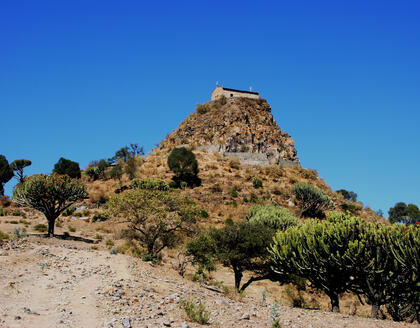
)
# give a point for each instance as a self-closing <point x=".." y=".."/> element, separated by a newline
<point x="51" y="224"/>
<point x="335" y="303"/>
<point x="375" y="311"/>
<point x="238" y="278"/>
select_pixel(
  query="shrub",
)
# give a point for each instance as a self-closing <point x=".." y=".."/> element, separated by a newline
<point x="68" y="167"/>
<point x="195" y="312"/>
<point x="5" y="201"/>
<point x="253" y="198"/>
<point x="40" y="228"/>
<point x="216" y="188"/>
<point x="234" y="163"/>
<point x="257" y="183"/>
<point x="347" y="195"/>
<point x="276" y="217"/>
<point x="100" y="217"/>
<point x="3" y="212"/>
<point x="16" y="212"/>
<point x="156" y="216"/>
<point x="204" y="214"/>
<point x="202" y="108"/>
<point x="4" y="236"/>
<point x="234" y="192"/>
<point x="71" y="228"/>
<point x="312" y="200"/>
<point x="184" y="165"/>
<point x="91" y="173"/>
<point x="20" y="233"/>
<point x="69" y="211"/>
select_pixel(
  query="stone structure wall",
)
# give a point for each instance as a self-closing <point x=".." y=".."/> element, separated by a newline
<point x="231" y="93"/>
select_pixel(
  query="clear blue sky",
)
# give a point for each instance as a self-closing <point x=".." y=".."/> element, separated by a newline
<point x="80" y="79"/>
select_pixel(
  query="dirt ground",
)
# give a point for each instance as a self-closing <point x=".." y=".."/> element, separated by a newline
<point x="64" y="283"/>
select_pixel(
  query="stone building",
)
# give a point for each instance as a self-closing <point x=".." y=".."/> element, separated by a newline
<point x="232" y="93"/>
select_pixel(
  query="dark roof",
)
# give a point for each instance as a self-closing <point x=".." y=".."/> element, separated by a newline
<point x="243" y="91"/>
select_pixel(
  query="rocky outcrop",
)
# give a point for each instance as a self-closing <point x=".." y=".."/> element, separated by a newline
<point x="244" y="128"/>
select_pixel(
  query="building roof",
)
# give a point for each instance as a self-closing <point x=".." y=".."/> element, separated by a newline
<point x="242" y="91"/>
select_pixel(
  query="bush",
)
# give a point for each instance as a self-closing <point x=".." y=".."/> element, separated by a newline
<point x="202" y="108"/>
<point x="204" y="214"/>
<point x="234" y="193"/>
<point x="4" y="236"/>
<point x="69" y="211"/>
<point x="276" y="217"/>
<point x="150" y="184"/>
<point x="6" y="173"/>
<point x="195" y="312"/>
<point x="3" y="212"/>
<point x="40" y="228"/>
<point x="100" y="217"/>
<point x="216" y="188"/>
<point x="68" y="167"/>
<point x="253" y="198"/>
<point x="184" y="165"/>
<point x="312" y="200"/>
<point x="257" y="183"/>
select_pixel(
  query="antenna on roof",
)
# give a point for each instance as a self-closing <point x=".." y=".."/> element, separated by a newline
<point x="217" y="83"/>
<point x="250" y="89"/>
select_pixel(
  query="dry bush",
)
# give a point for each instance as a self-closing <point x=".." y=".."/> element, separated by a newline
<point x="274" y="171"/>
<point x="234" y="163"/>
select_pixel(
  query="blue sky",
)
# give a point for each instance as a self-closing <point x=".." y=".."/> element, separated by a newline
<point x="80" y="79"/>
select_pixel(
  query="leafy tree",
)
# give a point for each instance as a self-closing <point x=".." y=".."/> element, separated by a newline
<point x="49" y="194"/>
<point x="157" y="216"/>
<point x="240" y="246"/>
<point x="6" y="173"/>
<point x="18" y="166"/>
<point x="182" y="162"/>
<point x="313" y="201"/>
<point x="402" y="213"/>
<point x="68" y="167"/>
<point x="116" y="172"/>
<point x="131" y="167"/>
<point x="348" y="195"/>
<point x="101" y="168"/>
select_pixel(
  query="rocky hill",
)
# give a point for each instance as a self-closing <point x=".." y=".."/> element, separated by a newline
<point x="242" y="128"/>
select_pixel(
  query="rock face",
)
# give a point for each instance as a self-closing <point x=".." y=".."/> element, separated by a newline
<point x="242" y="128"/>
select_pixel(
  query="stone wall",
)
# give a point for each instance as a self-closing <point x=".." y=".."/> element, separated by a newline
<point x="219" y="91"/>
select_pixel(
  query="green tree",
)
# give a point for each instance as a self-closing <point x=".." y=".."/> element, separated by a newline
<point x="6" y="173"/>
<point x="116" y="172"/>
<point x="157" y="216"/>
<point x="18" y="166"/>
<point x="49" y="194"/>
<point x="348" y="195"/>
<point x="403" y="213"/>
<point x="313" y="201"/>
<point x="68" y="167"/>
<point x="183" y="163"/>
<point x="240" y="246"/>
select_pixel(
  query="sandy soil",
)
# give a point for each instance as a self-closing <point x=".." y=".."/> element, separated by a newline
<point x="59" y="283"/>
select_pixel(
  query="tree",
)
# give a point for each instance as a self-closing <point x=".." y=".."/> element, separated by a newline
<point x="116" y="172"/>
<point x="243" y="246"/>
<point x="316" y="251"/>
<point x="348" y="195"/>
<point x="402" y="213"/>
<point x="66" y="166"/>
<point x="131" y="167"/>
<point x="49" y="194"/>
<point x="313" y="201"/>
<point x="183" y="163"/>
<point x="157" y="216"/>
<point x="6" y="173"/>
<point x="18" y="166"/>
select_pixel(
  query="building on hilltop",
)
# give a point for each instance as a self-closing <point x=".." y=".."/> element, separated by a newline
<point x="232" y="93"/>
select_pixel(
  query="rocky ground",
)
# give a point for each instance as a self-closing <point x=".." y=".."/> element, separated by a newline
<point x="60" y="283"/>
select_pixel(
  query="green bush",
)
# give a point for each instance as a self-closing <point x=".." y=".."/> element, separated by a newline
<point x="234" y="193"/>
<point x="40" y="228"/>
<point x="16" y="212"/>
<point x="313" y="201"/>
<point x="257" y="183"/>
<point x="100" y="217"/>
<point x="276" y="217"/>
<point x="69" y="211"/>
<point x="216" y="188"/>
<point x="253" y="198"/>
<point x="204" y="214"/>
<point x="3" y="212"/>
<point x="195" y="312"/>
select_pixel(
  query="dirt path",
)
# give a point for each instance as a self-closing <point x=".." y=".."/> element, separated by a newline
<point x="57" y="284"/>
